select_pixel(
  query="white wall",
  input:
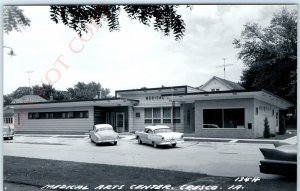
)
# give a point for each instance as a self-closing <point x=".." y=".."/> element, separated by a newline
<point x="265" y="110"/>
<point x="79" y="125"/>
<point x="247" y="104"/>
<point x="215" y="84"/>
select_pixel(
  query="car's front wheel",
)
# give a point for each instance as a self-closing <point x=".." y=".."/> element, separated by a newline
<point x="154" y="145"/>
<point x="139" y="140"/>
<point x="174" y="145"/>
<point x="115" y="143"/>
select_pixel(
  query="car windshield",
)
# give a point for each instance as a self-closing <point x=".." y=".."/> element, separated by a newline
<point x="164" y="130"/>
<point x="104" y="129"/>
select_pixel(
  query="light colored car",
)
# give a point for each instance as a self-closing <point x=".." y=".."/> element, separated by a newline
<point x="103" y="133"/>
<point x="8" y="131"/>
<point x="281" y="160"/>
<point x="210" y="126"/>
<point x="159" y="135"/>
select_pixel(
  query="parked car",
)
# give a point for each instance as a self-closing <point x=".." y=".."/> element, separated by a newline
<point x="159" y="135"/>
<point x="281" y="160"/>
<point x="103" y="133"/>
<point x="210" y="126"/>
<point x="8" y="132"/>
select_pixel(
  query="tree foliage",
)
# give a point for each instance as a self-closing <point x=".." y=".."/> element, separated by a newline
<point x="45" y="90"/>
<point x="14" y="19"/>
<point x="80" y="91"/>
<point x="270" y="55"/>
<point x="165" y="17"/>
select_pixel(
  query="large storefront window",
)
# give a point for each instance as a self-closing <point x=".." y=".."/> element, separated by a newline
<point x="224" y="118"/>
<point x="163" y="115"/>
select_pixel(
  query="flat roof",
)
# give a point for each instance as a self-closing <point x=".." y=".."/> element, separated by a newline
<point x="262" y="95"/>
<point x="107" y="102"/>
<point x="154" y="89"/>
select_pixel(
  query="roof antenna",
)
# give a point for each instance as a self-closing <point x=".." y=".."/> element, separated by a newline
<point x="224" y="66"/>
<point x="29" y="72"/>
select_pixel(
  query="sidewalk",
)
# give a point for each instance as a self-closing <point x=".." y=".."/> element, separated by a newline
<point x="128" y="136"/>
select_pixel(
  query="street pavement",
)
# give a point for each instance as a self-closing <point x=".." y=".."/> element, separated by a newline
<point x="228" y="159"/>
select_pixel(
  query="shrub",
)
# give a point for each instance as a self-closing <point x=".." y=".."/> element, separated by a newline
<point x="267" y="133"/>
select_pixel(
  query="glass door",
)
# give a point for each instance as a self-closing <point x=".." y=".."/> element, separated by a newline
<point x="120" y="122"/>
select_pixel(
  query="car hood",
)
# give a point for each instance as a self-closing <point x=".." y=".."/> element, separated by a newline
<point x="170" y="135"/>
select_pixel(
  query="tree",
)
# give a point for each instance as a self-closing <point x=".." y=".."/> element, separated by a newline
<point x="19" y="92"/>
<point x="82" y="91"/>
<point x="14" y="19"/>
<point x="45" y="90"/>
<point x="165" y="17"/>
<point x="270" y="55"/>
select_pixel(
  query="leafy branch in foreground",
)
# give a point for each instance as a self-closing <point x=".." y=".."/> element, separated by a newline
<point x="164" y="17"/>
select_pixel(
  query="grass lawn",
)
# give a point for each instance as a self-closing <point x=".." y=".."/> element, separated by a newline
<point x="40" y="172"/>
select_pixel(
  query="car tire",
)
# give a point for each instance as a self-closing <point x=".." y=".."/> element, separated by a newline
<point x="154" y="145"/>
<point x="115" y="143"/>
<point x="139" y="140"/>
<point x="174" y="145"/>
<point x="11" y="138"/>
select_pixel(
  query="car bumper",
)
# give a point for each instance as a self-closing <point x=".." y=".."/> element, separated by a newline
<point x="107" y="141"/>
<point x="278" y="167"/>
<point x="7" y="135"/>
<point x="171" y="142"/>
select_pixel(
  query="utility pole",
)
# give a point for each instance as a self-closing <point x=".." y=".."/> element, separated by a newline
<point x="29" y="72"/>
<point x="224" y="66"/>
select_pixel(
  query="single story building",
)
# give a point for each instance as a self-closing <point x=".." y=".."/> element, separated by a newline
<point x="219" y="108"/>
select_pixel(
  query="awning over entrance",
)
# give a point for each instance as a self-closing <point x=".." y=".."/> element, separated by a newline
<point x="262" y="95"/>
<point x="110" y="102"/>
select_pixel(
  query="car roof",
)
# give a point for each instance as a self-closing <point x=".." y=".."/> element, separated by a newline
<point x="99" y="126"/>
<point x="154" y="127"/>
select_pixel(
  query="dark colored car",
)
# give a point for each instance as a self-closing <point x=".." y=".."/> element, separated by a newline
<point x="281" y="160"/>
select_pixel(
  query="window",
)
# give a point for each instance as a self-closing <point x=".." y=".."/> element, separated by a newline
<point x="148" y="115"/>
<point x="272" y="112"/>
<point x="166" y="115"/>
<point x="277" y="118"/>
<point x="156" y="115"/>
<point x="138" y="115"/>
<point x="217" y="89"/>
<point x="213" y="90"/>
<point x="176" y="115"/>
<point x="162" y="115"/>
<point x="58" y="115"/>
<point x="224" y="118"/>
<point x="188" y="118"/>
<point x="256" y="111"/>
<point x="70" y="114"/>
<point x="18" y="118"/>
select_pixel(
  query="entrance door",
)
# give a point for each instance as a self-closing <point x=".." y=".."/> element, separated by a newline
<point x="120" y="122"/>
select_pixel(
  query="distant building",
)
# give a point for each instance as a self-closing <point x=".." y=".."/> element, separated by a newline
<point x="220" y="108"/>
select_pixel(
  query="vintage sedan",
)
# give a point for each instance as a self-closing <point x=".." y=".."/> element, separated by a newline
<point x="8" y="131"/>
<point x="281" y="160"/>
<point x="159" y="135"/>
<point x="103" y="133"/>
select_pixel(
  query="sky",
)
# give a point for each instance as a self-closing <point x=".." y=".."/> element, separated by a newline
<point x="136" y="56"/>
